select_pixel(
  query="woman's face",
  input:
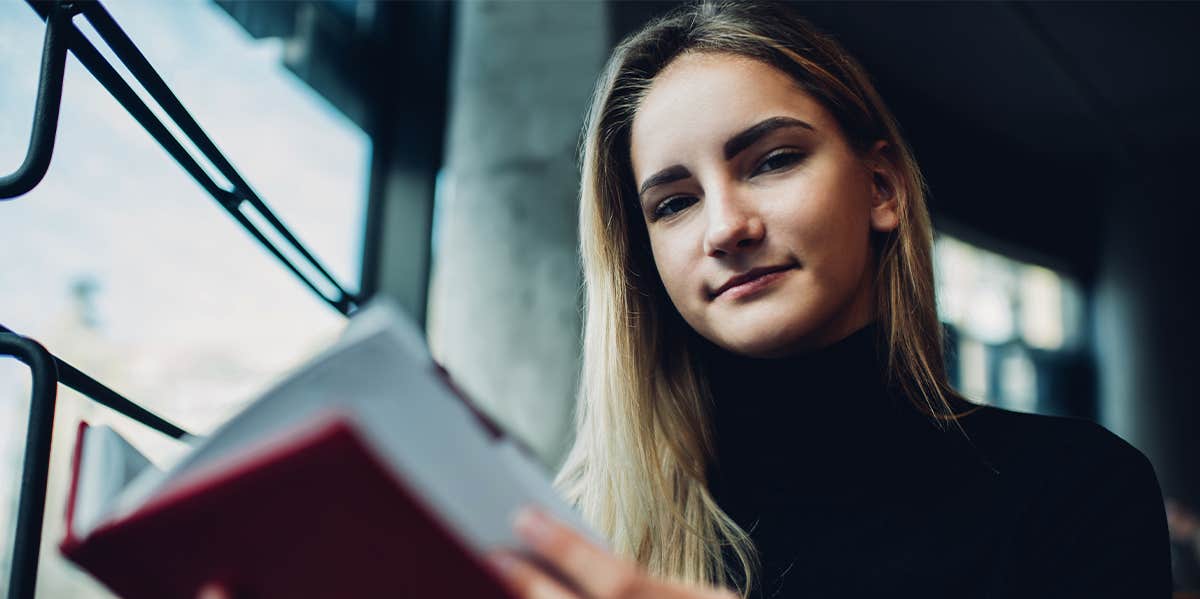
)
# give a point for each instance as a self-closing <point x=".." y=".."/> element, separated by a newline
<point x="759" y="212"/>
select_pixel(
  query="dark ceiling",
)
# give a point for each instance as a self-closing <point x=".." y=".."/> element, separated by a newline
<point x="1025" y="116"/>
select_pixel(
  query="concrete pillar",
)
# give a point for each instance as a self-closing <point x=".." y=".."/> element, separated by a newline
<point x="1146" y="324"/>
<point x="504" y="311"/>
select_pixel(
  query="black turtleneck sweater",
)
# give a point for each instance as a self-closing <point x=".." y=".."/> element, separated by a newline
<point x="848" y="491"/>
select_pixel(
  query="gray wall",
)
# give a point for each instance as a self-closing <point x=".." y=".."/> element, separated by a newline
<point x="504" y="304"/>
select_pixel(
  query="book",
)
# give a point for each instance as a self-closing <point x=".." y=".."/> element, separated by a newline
<point x="365" y="473"/>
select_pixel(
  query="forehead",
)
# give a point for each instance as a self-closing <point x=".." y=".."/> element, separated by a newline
<point x="701" y="99"/>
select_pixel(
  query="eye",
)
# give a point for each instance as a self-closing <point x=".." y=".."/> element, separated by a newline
<point x="672" y="205"/>
<point x="777" y="161"/>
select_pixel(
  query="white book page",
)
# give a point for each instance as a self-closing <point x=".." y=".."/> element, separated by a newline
<point x="439" y="449"/>
<point x="323" y="384"/>
<point x="382" y="376"/>
<point x="107" y="465"/>
<point x="535" y="481"/>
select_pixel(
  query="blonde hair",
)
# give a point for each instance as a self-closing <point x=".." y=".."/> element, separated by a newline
<point x="637" y="470"/>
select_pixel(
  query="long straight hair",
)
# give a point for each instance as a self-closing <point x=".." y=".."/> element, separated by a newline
<point x="644" y="440"/>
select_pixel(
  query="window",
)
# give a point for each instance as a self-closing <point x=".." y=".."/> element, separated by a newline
<point x="1016" y="328"/>
<point x="119" y="263"/>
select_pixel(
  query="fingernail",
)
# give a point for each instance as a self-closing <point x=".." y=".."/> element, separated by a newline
<point x="504" y="563"/>
<point x="533" y="527"/>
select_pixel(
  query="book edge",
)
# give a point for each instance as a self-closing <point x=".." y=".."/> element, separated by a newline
<point x="328" y="424"/>
<point x="71" y="541"/>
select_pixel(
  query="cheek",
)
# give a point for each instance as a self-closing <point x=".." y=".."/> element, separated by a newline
<point x="678" y="270"/>
<point x="827" y="226"/>
<point x="672" y="269"/>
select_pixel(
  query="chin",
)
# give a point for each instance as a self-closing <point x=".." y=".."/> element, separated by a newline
<point x="772" y="332"/>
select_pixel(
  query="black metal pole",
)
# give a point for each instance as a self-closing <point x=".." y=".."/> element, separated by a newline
<point x="230" y="199"/>
<point x="96" y="391"/>
<point x="36" y="468"/>
<point x="45" y="111"/>
<point x="140" y="67"/>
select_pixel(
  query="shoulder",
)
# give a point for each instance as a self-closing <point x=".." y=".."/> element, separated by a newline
<point x="1085" y="502"/>
<point x="1059" y="469"/>
<point x="1051" y="443"/>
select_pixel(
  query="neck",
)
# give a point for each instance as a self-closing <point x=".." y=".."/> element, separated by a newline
<point x="792" y="414"/>
<point x="853" y="362"/>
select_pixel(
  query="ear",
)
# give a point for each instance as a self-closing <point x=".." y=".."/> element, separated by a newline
<point x="885" y="187"/>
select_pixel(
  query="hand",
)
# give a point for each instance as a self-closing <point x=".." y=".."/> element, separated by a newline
<point x="1182" y="524"/>
<point x="592" y="571"/>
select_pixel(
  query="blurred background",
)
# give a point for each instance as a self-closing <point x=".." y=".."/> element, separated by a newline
<point x="426" y="151"/>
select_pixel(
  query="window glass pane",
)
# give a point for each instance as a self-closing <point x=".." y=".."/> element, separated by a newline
<point x="1000" y="310"/>
<point x="974" y="289"/>
<point x="973" y="369"/>
<point x="997" y="299"/>
<point x="954" y="266"/>
<point x="1041" y="300"/>
<point x="122" y="265"/>
<point x="1018" y="380"/>
<point x="1073" y="300"/>
<point x="14" y="379"/>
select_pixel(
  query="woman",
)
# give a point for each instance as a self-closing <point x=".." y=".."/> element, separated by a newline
<point x="763" y="401"/>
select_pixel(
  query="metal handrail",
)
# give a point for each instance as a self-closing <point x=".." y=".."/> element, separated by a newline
<point x="45" y="112"/>
<point x="47" y="371"/>
<point x="35" y="469"/>
<point x="96" y="391"/>
<point x="57" y="15"/>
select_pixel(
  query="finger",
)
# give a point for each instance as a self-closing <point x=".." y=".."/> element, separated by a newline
<point x="213" y="591"/>
<point x="526" y="581"/>
<point x="593" y="569"/>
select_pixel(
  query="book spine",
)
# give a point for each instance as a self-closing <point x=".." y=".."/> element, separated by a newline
<point x="71" y="541"/>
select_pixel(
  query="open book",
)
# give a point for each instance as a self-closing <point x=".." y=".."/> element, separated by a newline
<point x="363" y="474"/>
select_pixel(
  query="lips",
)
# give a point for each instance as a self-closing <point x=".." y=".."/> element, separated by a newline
<point x="748" y="276"/>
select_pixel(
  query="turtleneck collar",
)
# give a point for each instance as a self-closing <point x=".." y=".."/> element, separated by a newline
<point x="841" y="380"/>
<point x="825" y="418"/>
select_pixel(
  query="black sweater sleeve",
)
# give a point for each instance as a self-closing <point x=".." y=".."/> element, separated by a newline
<point x="1101" y="529"/>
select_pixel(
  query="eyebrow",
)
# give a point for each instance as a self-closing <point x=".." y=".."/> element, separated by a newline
<point x="734" y="146"/>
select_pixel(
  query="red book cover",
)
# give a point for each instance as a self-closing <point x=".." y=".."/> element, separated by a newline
<point x="315" y="516"/>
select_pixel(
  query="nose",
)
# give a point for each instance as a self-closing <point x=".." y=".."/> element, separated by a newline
<point x="733" y="224"/>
